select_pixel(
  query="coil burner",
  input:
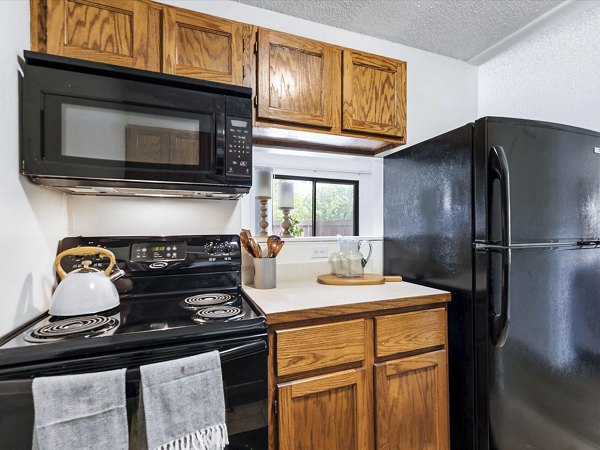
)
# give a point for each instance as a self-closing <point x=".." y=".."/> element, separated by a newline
<point x="82" y="326"/>
<point x="218" y="314"/>
<point x="202" y="300"/>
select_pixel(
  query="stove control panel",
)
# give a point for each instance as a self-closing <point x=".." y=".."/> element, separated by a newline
<point x="158" y="251"/>
<point x="219" y="248"/>
<point x="194" y="253"/>
<point x="239" y="147"/>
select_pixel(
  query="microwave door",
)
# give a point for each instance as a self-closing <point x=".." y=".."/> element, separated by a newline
<point x="98" y="139"/>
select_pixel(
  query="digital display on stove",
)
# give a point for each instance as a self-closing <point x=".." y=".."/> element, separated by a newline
<point x="166" y="251"/>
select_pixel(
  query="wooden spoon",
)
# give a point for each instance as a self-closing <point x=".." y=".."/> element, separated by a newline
<point x="272" y="242"/>
<point x="278" y="248"/>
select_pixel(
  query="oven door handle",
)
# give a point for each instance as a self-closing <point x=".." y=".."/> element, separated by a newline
<point x="231" y="354"/>
<point x="242" y="351"/>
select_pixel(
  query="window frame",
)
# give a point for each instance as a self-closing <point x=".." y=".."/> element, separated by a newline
<point x="315" y="180"/>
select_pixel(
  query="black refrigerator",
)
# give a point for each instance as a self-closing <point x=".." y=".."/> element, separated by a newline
<point x="505" y="214"/>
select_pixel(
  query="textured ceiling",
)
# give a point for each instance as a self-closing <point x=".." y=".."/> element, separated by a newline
<point x="460" y="29"/>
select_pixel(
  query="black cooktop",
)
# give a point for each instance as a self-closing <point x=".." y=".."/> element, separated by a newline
<point x="164" y="302"/>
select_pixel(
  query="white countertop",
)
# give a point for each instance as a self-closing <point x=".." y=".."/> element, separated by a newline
<point x="302" y="295"/>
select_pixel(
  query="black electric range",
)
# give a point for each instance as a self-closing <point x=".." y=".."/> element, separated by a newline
<point x="180" y="295"/>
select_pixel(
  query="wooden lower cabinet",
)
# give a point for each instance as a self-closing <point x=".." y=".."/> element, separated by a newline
<point x="377" y="382"/>
<point x="411" y="403"/>
<point x="324" y="412"/>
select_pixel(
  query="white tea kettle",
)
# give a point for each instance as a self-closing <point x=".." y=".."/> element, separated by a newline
<point x="86" y="290"/>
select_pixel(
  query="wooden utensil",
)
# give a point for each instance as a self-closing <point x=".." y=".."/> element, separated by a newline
<point x="245" y="241"/>
<point x="256" y="247"/>
<point x="272" y="242"/>
<point x="278" y="248"/>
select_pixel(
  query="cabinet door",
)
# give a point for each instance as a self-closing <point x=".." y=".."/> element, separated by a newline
<point x="201" y="46"/>
<point x="122" y="32"/>
<point x="325" y="412"/>
<point x="296" y="79"/>
<point x="374" y="94"/>
<point x="411" y="397"/>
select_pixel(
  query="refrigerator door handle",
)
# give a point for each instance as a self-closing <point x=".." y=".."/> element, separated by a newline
<point x="500" y="322"/>
<point x="498" y="170"/>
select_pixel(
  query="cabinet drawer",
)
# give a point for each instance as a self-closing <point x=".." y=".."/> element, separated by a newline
<point x="399" y="333"/>
<point x="316" y="347"/>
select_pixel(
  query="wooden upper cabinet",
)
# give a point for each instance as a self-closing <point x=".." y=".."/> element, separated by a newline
<point x="374" y="94"/>
<point x="411" y="401"/>
<point x="298" y="80"/>
<point x="201" y="46"/>
<point x="122" y="32"/>
<point x="325" y="412"/>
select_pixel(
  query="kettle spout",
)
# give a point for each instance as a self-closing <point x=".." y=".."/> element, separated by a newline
<point x="116" y="275"/>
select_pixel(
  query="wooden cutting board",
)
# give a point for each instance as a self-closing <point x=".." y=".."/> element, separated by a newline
<point x="368" y="279"/>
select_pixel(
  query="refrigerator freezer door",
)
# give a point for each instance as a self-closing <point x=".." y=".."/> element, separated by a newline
<point x="544" y="382"/>
<point x="554" y="182"/>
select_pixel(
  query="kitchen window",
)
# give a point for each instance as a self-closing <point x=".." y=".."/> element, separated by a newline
<point x="322" y="207"/>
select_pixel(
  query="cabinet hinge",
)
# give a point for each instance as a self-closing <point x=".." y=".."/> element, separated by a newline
<point x="243" y="72"/>
<point x="256" y="101"/>
<point x="275" y="409"/>
<point x="256" y="44"/>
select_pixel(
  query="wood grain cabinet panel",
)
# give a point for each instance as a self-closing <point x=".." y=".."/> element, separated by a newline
<point x="316" y="347"/>
<point x="407" y="332"/>
<point x="122" y="32"/>
<point x="374" y="94"/>
<point x="325" y="412"/>
<point x="201" y="46"/>
<point x="297" y="79"/>
<point x="411" y="401"/>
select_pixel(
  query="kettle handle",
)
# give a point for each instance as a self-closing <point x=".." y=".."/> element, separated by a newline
<point x="84" y="251"/>
<point x="364" y="261"/>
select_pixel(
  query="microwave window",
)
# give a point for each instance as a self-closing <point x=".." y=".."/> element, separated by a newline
<point x="134" y="137"/>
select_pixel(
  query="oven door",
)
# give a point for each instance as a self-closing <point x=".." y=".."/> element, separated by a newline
<point x="244" y="366"/>
<point x="84" y="126"/>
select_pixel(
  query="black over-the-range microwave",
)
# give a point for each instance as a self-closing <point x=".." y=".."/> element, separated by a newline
<point x="98" y="129"/>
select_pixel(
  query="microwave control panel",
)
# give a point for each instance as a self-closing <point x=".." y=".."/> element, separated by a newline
<point x="238" y="138"/>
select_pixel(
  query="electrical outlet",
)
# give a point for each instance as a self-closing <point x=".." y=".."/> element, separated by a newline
<point x="319" y="252"/>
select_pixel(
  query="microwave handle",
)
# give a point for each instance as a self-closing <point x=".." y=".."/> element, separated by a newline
<point x="220" y="144"/>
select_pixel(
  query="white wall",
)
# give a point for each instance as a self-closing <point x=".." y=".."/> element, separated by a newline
<point x="104" y="216"/>
<point x="32" y="219"/>
<point x="553" y="76"/>
<point x="442" y="92"/>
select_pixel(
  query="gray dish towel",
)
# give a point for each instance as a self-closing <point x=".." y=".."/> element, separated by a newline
<point x="80" y="412"/>
<point x="183" y="405"/>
